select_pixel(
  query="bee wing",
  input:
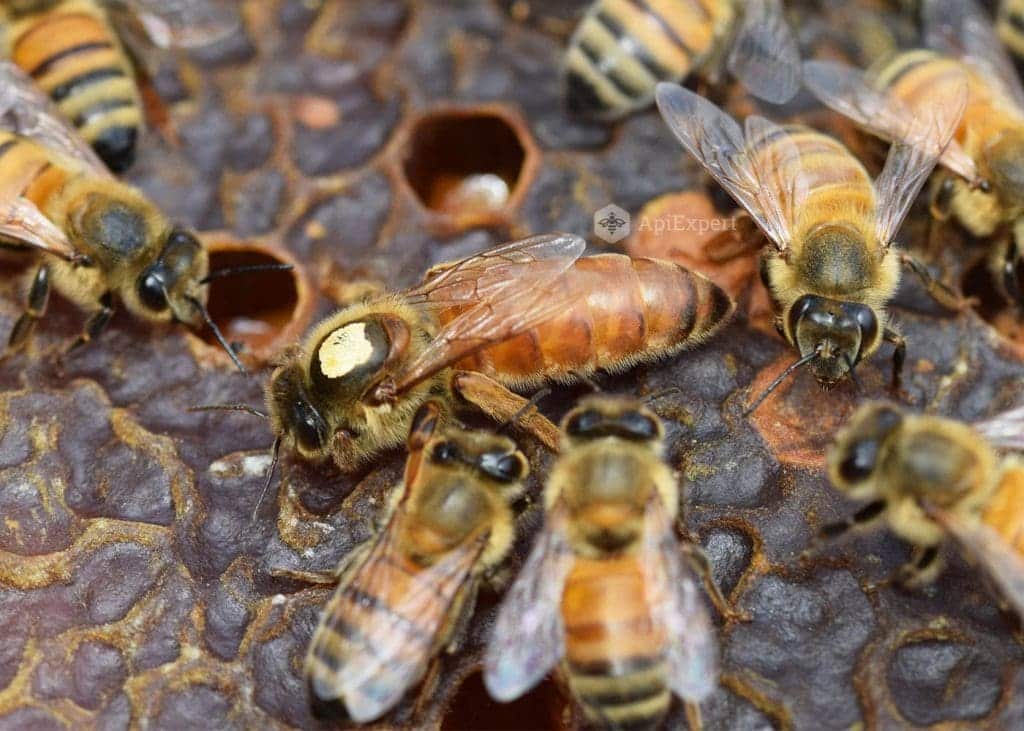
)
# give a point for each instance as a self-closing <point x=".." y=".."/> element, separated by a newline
<point x="529" y="638"/>
<point x="765" y="56"/>
<point x="847" y="91"/>
<point x="371" y="664"/>
<point x="505" y="292"/>
<point x="25" y="110"/>
<point x="1005" y="430"/>
<point x="22" y="221"/>
<point x="961" y="29"/>
<point x="676" y="605"/>
<point x="181" y="23"/>
<point x="717" y="142"/>
<point x="984" y="545"/>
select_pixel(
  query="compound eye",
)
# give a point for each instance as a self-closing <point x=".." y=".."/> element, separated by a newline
<point x="867" y="321"/>
<point x="584" y="423"/>
<point x="309" y="427"/>
<point x="153" y="290"/>
<point x="503" y="467"/>
<point x="800" y="308"/>
<point x="444" y="453"/>
<point x="635" y="425"/>
<point x="860" y="461"/>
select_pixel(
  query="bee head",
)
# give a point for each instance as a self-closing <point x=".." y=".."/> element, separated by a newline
<point x="605" y="416"/>
<point x="170" y="286"/>
<point x="832" y="335"/>
<point x="294" y="415"/>
<point x="1004" y="158"/>
<point x="857" y="455"/>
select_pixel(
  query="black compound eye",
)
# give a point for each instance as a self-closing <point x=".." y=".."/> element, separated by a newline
<point x="444" y="453"/>
<point x="310" y="429"/>
<point x="635" y="425"/>
<point x="152" y="289"/>
<point x="502" y="467"/>
<point x="800" y="308"/>
<point x="860" y="461"/>
<point x="584" y="423"/>
<point x="181" y="239"/>
<point x="867" y="321"/>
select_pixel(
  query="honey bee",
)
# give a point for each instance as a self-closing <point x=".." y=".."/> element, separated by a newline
<point x="1010" y="25"/>
<point x="605" y="590"/>
<point x="408" y="594"/>
<point x="517" y="315"/>
<point x="929" y="477"/>
<point x="831" y="268"/>
<point x="73" y="51"/>
<point x="103" y="237"/>
<point x="621" y="50"/>
<point x="982" y="184"/>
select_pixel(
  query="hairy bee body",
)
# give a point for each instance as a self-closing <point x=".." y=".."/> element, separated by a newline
<point x="632" y="311"/>
<point x="623" y="48"/>
<point x="1010" y="25"/>
<point x="72" y="52"/>
<point x="400" y="600"/>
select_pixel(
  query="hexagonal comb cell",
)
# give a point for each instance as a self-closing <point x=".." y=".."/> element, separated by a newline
<point x="468" y="166"/>
<point x="263" y="311"/>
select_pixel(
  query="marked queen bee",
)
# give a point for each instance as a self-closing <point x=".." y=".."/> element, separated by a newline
<point x="929" y="477"/>
<point x="74" y="51"/>
<point x="981" y="185"/>
<point x="409" y="593"/>
<point x="515" y="316"/>
<point x="831" y="267"/>
<point x="103" y="239"/>
<point x="605" y="589"/>
<point x="622" y="49"/>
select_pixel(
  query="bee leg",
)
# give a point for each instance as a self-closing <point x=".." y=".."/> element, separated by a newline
<point x="832" y="531"/>
<point x="700" y="562"/>
<point x="458" y="628"/>
<point x="94" y="325"/>
<point x="899" y="357"/>
<point x="733" y="244"/>
<point x="941" y="203"/>
<point x="317" y="578"/>
<point x="922" y="568"/>
<point x="501" y="405"/>
<point x="939" y="291"/>
<point x="694" y="721"/>
<point x="35" y="308"/>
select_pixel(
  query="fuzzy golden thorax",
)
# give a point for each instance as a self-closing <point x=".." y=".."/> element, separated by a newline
<point x="318" y="396"/>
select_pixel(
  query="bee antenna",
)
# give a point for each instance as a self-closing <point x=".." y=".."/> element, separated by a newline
<point x="853" y="374"/>
<point x="275" y="451"/>
<point x="229" y="407"/>
<point x="660" y="394"/>
<point x="804" y="360"/>
<point x="201" y="309"/>
<point x="244" y="269"/>
<point x="526" y="408"/>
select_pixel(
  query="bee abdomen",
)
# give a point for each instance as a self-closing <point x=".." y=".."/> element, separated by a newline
<point x="1011" y="25"/>
<point x="913" y="76"/>
<point x="627" y="694"/>
<point x="626" y="311"/>
<point x="75" y="57"/>
<point x="623" y="48"/>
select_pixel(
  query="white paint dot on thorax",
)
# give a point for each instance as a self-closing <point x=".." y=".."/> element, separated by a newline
<point x="344" y="350"/>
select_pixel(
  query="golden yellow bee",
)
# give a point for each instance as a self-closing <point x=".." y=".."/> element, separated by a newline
<point x="929" y="477"/>
<point x="407" y="595"/>
<point x="103" y="238"/>
<point x="622" y="49"/>
<point x="518" y="315"/>
<point x="831" y="267"/>
<point x="982" y="185"/>
<point x="73" y="51"/>
<point x="605" y="590"/>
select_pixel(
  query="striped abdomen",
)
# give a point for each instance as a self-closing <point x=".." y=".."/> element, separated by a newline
<point x="359" y="625"/>
<point x="28" y="170"/>
<point x="836" y="187"/>
<point x="73" y="54"/>
<point x="623" y="48"/>
<point x="627" y="311"/>
<point x="1010" y="25"/>
<point x="614" y="652"/>
<point x="1005" y="509"/>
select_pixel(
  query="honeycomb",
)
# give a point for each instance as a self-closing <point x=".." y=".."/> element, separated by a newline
<point x="365" y="141"/>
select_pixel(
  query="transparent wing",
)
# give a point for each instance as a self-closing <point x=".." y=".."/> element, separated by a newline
<point x="960" y="28"/>
<point x="716" y="141"/>
<point x="529" y="638"/>
<point x="1005" y="430"/>
<point x="985" y="546"/>
<point x="25" y="110"/>
<point x="505" y="291"/>
<point x="182" y="23"/>
<point x="847" y="91"/>
<point x="677" y="606"/>
<point x="765" y="56"/>
<point x="374" y="662"/>
<point x="23" y="222"/>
